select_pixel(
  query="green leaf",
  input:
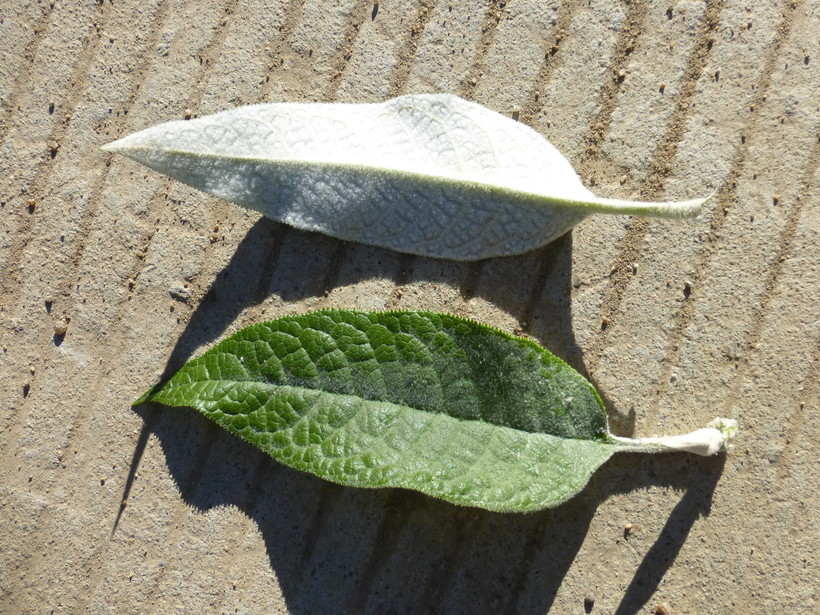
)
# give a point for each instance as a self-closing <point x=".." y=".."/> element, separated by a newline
<point x="420" y="400"/>
<point x="429" y="174"/>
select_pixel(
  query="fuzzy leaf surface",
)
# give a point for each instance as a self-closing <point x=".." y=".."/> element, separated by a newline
<point x="419" y="400"/>
<point x="429" y="174"/>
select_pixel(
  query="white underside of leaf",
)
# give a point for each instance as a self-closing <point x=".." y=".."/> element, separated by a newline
<point x="426" y="174"/>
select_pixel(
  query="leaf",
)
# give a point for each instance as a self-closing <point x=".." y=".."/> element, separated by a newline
<point x="428" y="174"/>
<point x="420" y="400"/>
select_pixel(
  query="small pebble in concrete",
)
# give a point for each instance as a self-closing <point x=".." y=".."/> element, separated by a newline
<point x="180" y="292"/>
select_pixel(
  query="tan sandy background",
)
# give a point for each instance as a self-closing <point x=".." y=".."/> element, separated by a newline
<point x="112" y="274"/>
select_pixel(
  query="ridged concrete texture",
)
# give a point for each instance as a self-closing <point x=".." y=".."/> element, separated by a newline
<point x="112" y="274"/>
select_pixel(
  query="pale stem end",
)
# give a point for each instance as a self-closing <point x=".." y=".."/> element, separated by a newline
<point x="668" y="209"/>
<point x="711" y="440"/>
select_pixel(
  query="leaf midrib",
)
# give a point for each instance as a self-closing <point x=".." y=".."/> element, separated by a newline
<point x="170" y="388"/>
<point x="532" y="198"/>
<point x="362" y="407"/>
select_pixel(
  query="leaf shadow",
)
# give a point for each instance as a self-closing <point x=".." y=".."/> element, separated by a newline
<point x="343" y="550"/>
<point x="695" y="503"/>
<point x="346" y="550"/>
<point x="240" y="284"/>
<point x="276" y="260"/>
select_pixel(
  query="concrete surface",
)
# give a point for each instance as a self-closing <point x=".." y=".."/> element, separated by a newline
<point x="675" y="322"/>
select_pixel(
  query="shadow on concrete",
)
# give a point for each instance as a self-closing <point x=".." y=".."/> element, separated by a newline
<point x="695" y="503"/>
<point x="344" y="550"/>
<point x="309" y="264"/>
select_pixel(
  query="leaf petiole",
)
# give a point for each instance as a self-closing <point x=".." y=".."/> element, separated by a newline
<point x="669" y="209"/>
<point x="710" y="440"/>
